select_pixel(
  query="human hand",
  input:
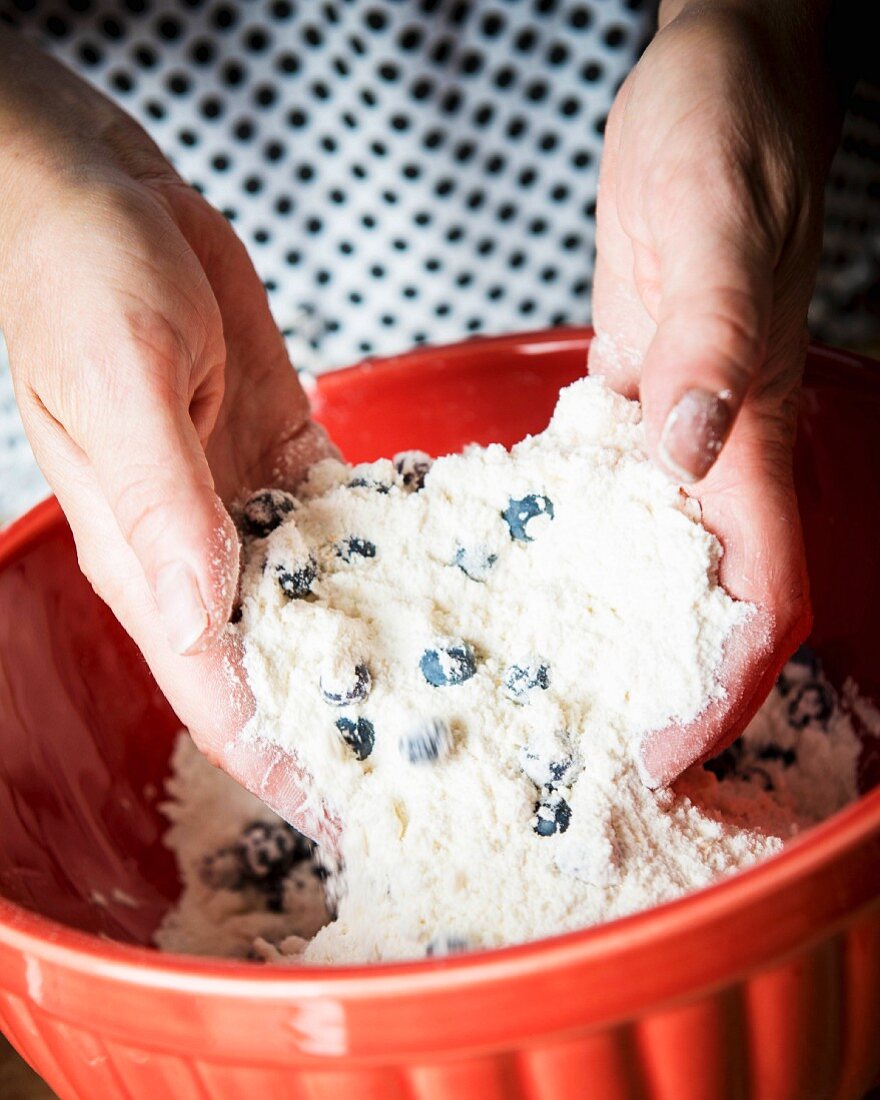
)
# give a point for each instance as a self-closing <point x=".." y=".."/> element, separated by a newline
<point x="153" y="385"/>
<point x="709" y="227"/>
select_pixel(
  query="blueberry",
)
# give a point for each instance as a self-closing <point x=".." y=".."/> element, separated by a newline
<point x="365" y="476"/>
<point x="552" y="814"/>
<point x="296" y="581"/>
<point x="413" y="467"/>
<point x="474" y="563"/>
<point x="446" y="945"/>
<point x="265" y="511"/>
<point x="359" y="734"/>
<point x="549" y="760"/>
<point x="340" y="690"/>
<point x="787" y="757"/>
<point x="811" y="703"/>
<point x="262" y="858"/>
<point x="354" y="547"/>
<point x="450" y="663"/>
<point x="431" y="740"/>
<point x="521" y="680"/>
<point x="804" y="665"/>
<point x="519" y="514"/>
<point x="726" y="763"/>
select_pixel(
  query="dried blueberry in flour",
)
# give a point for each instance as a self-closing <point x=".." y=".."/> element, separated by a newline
<point x="448" y="944"/>
<point x="359" y="734"/>
<point x="521" y="680"/>
<point x="296" y="581"/>
<point x="811" y="704"/>
<point x="342" y="685"/>
<point x="412" y="468"/>
<point x="376" y="476"/>
<point x="552" y="814"/>
<point x="447" y="663"/>
<point x="428" y="741"/>
<point x="262" y="858"/>
<point x="355" y="547"/>
<point x="266" y="510"/>
<point x="521" y="516"/>
<point x="475" y="562"/>
<point x="550" y="759"/>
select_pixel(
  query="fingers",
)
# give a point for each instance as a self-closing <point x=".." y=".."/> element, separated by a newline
<point x="748" y="502"/>
<point x="710" y="344"/>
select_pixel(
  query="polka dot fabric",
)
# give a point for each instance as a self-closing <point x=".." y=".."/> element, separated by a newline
<point x="400" y="171"/>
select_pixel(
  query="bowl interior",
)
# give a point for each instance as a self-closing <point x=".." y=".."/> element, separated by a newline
<point x="85" y="734"/>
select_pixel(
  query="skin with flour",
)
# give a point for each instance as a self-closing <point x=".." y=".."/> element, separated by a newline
<point x="461" y="659"/>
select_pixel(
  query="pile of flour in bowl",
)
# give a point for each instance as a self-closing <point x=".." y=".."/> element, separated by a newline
<point x="462" y="656"/>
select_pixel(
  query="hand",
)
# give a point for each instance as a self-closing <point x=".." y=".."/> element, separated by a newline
<point x="153" y="385"/>
<point x="709" y="225"/>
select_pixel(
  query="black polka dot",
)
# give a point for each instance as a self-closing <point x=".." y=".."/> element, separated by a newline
<point x="312" y="36"/>
<point x="485" y="246"/>
<point x="154" y="109"/>
<point x="168" y="28"/>
<point x="537" y="90"/>
<point x="516" y="127"/>
<point x="474" y="324"/>
<point x="412" y="171"/>
<point x="114" y="30"/>
<point x="262" y="236"/>
<point x="287" y="63"/>
<point x="506" y="212"/>
<point x="220" y="162"/>
<point x="516" y="259"/>
<point x="136" y="7"/>
<point x="252" y="184"/>
<point x="495" y="164"/>
<point x="273" y="151"/>
<point x="201" y="51"/>
<point x="376" y="19"/>
<point x="559" y="193"/>
<point x="527" y="177"/>
<point x="243" y="130"/>
<point x="223" y="17"/>
<point x="314" y="226"/>
<point x="121" y="82"/>
<point x="211" y="107"/>
<point x="441" y="51"/>
<point x="145" y="56"/>
<point x="495" y="292"/>
<point x="483" y="115"/>
<point x="283" y="205"/>
<point x="527" y="306"/>
<point x="557" y="54"/>
<point x="422" y="217"/>
<point x="57" y="27"/>
<point x="442" y="309"/>
<point x="89" y="54"/>
<point x="571" y="242"/>
<point x="547" y="142"/>
<point x="581" y="158"/>
<point x="232" y="74"/>
<point x="492" y="24"/>
<point x="614" y="37"/>
<point x="569" y="107"/>
<point x="400" y="122"/>
<point x="188" y="137"/>
<point x="525" y="40"/>
<point x="264" y="95"/>
<point x="305" y="173"/>
<point x="505" y="77"/>
<point x="559" y="319"/>
<point x="322" y="276"/>
<point x="178" y="83"/>
<point x="410" y="292"/>
<point x="421" y="88"/>
<point x="298" y="119"/>
<point x="255" y="40"/>
<point x="281" y="9"/>
<point x="471" y="62"/>
<point x="580" y="17"/>
<point x="591" y="72"/>
<point x="410" y="38"/>
<point x="337" y="196"/>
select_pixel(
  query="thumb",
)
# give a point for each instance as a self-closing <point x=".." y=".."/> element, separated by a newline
<point x="713" y="318"/>
<point x="152" y="470"/>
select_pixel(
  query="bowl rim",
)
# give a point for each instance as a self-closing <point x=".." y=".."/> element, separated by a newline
<point x="807" y="862"/>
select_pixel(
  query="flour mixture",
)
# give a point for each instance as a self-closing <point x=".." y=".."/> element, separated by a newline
<point x="462" y="655"/>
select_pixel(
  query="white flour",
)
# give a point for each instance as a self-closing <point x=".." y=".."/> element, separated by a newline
<point x="462" y="669"/>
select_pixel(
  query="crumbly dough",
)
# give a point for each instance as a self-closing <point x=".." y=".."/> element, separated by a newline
<point x="461" y="656"/>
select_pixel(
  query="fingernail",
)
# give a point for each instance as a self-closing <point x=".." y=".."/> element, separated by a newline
<point x="184" y="615"/>
<point x="694" y="433"/>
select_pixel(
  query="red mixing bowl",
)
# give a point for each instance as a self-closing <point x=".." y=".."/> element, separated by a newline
<point x="765" y="986"/>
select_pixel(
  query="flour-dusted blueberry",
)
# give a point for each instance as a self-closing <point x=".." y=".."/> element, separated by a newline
<point x="296" y="581"/>
<point x="355" y="547"/>
<point x="520" y="515"/>
<point x="474" y="561"/>
<point x="427" y="742"/>
<point x="552" y="814"/>
<point x="447" y="944"/>
<point x="521" y="680"/>
<point x="727" y="763"/>
<point x="341" y="686"/>
<point x="265" y="511"/>
<point x="550" y="759"/>
<point x="802" y="667"/>
<point x="412" y="468"/>
<point x="447" y="663"/>
<point x="786" y="757"/>
<point x="262" y="858"/>
<point x="359" y="734"/>
<point x="375" y="476"/>
<point x="811" y="704"/>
